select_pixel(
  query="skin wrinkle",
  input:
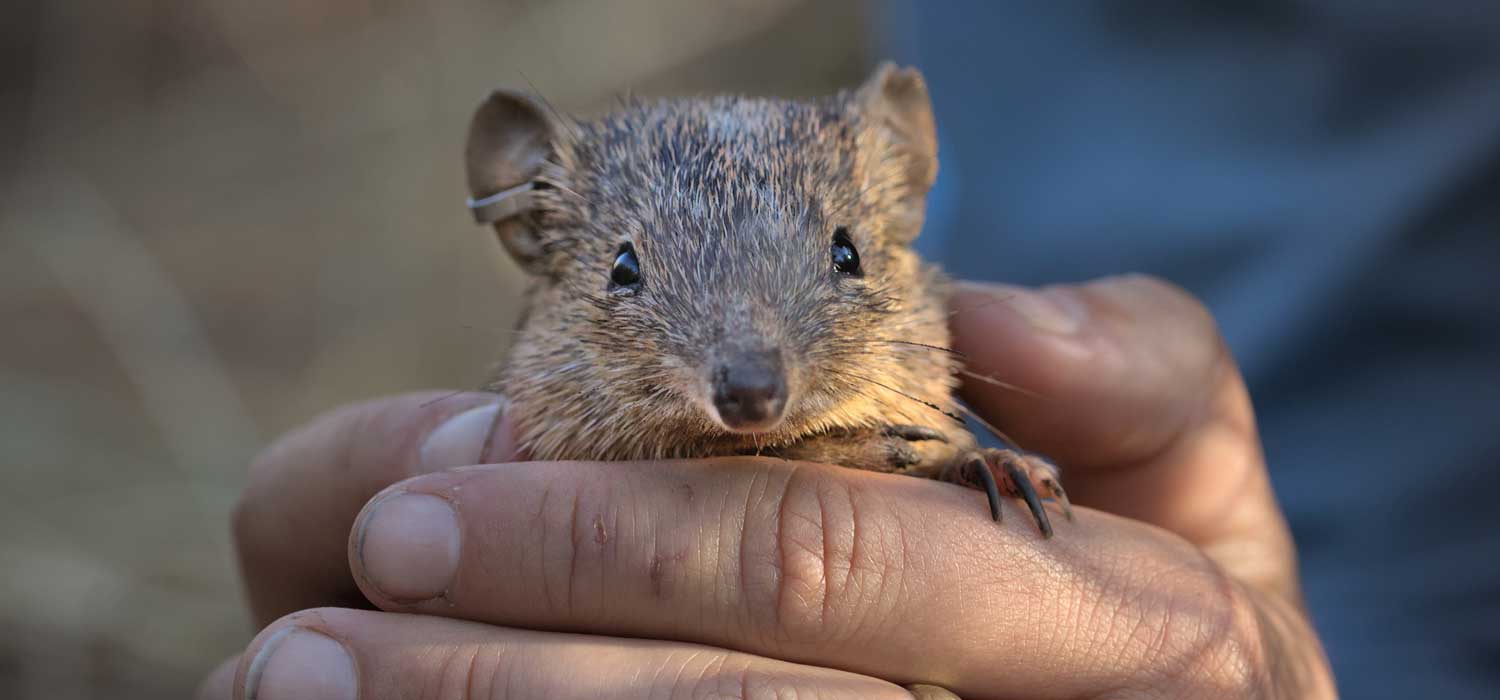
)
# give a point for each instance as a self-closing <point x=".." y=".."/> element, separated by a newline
<point x="1115" y="595"/>
<point x="858" y="593"/>
<point x="710" y="558"/>
<point x="826" y="567"/>
<point x="1123" y="597"/>
<point x="1185" y="649"/>
<point x="609" y="548"/>
<point x="760" y="602"/>
<point x="1090" y="597"/>
<point x="510" y="670"/>
<point x="777" y="629"/>
<point x="472" y="675"/>
<point x="542" y="558"/>
<point x="1245" y="648"/>
<point x="854" y="558"/>
<point x="742" y="574"/>
<point x="742" y="677"/>
<point x="575" y="548"/>
<point x="893" y="588"/>
<point x="802" y="575"/>
<point x="684" y="663"/>
<point x="1076" y="609"/>
<point x="486" y="564"/>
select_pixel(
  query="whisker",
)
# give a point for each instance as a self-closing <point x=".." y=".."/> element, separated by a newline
<point x="957" y="418"/>
<point x="922" y="345"/>
<point x="444" y="397"/>
<point x="487" y="329"/>
<point x="562" y="121"/>
<point x="871" y="395"/>
<point x="1003" y="385"/>
<point x="976" y="307"/>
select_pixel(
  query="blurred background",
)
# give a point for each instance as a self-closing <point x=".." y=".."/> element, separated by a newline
<point x="219" y="218"/>
<point x="222" y="217"/>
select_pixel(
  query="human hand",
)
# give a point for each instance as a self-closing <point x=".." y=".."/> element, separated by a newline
<point x="292" y="529"/>
<point x="889" y="576"/>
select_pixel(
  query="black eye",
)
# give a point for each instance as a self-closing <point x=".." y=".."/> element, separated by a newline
<point x="845" y="257"/>
<point x="627" y="270"/>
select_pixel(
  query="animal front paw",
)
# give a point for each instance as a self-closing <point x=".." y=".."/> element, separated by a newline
<point x="896" y="448"/>
<point x="1016" y="474"/>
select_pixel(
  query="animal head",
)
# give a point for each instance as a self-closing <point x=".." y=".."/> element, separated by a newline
<point x="716" y="268"/>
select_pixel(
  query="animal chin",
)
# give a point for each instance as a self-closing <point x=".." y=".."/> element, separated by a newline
<point x="745" y="425"/>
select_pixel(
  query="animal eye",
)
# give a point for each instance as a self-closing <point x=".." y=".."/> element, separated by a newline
<point x="845" y="257"/>
<point x="627" y="269"/>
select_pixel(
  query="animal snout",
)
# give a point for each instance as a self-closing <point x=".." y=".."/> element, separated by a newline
<point x="749" y="391"/>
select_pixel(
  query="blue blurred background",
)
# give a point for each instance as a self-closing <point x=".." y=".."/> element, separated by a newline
<point x="218" y="218"/>
<point x="1325" y="174"/>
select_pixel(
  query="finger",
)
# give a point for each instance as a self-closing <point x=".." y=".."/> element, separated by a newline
<point x="291" y="524"/>
<point x="220" y="683"/>
<point x="339" y="654"/>
<point x="1135" y="395"/>
<point x="1112" y="370"/>
<point x="907" y="579"/>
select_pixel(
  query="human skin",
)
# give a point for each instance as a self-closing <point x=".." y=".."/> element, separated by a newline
<point x="752" y="577"/>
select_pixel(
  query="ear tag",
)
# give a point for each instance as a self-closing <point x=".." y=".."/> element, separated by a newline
<point x="503" y="204"/>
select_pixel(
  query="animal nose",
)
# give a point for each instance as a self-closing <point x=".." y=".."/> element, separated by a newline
<point x="750" y="391"/>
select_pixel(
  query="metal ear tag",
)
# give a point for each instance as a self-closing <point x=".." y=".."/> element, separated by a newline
<point x="503" y="204"/>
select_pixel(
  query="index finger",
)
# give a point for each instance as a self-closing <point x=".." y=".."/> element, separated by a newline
<point x="902" y="578"/>
<point x="302" y="493"/>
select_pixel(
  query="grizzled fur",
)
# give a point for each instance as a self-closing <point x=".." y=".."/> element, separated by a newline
<point x="731" y="205"/>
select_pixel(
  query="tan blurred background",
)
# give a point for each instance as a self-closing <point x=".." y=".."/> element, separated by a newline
<point x="221" y="217"/>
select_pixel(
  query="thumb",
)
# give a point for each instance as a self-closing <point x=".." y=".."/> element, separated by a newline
<point x="1127" y="384"/>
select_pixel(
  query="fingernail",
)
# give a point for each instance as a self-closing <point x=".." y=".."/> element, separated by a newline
<point x="300" y="664"/>
<point x="461" y="440"/>
<point x="409" y="545"/>
<point x="1046" y="311"/>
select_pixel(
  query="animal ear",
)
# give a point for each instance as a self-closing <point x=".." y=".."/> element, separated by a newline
<point x="896" y="98"/>
<point x="513" y="157"/>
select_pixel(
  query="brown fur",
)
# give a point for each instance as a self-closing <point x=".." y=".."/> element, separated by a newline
<point x="731" y="204"/>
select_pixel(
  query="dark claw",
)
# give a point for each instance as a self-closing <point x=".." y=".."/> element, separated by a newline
<point x="1061" y="496"/>
<point x="915" y="433"/>
<point x="1028" y="492"/>
<point x="991" y="489"/>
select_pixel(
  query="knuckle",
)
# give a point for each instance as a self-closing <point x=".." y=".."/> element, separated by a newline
<point x="469" y="672"/>
<point x="1199" y="629"/>
<point x="837" y="563"/>
<point x="575" y="547"/>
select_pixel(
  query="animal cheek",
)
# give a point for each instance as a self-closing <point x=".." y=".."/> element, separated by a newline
<point x="685" y="384"/>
